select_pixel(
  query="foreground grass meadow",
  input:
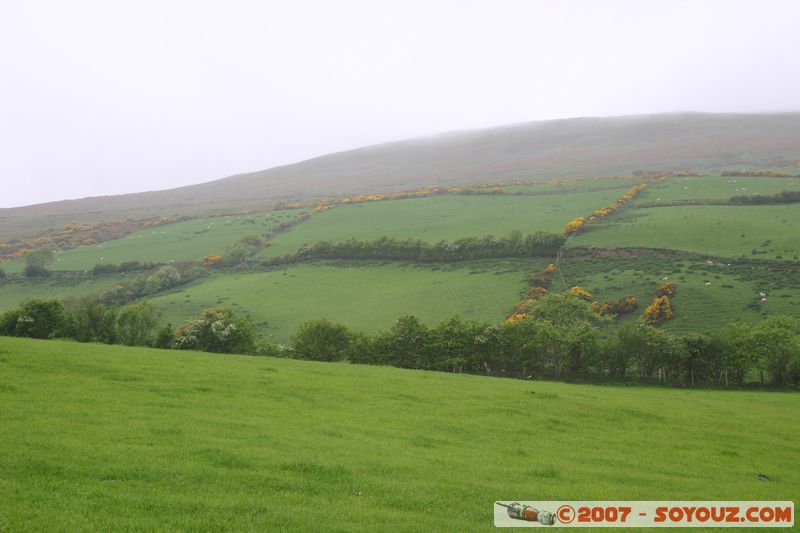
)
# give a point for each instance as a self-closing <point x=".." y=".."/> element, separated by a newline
<point x="108" y="438"/>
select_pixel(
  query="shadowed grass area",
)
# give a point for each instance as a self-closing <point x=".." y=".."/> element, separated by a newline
<point x="111" y="438"/>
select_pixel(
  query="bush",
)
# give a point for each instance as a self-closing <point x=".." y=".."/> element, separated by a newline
<point x="321" y="340"/>
<point x="101" y="269"/>
<point x="36" y="271"/>
<point x="164" y="278"/>
<point x="165" y="337"/>
<point x="659" y="311"/>
<point x="666" y="289"/>
<point x="623" y="306"/>
<point x="37" y="319"/>
<point x="270" y="349"/>
<point x="216" y="330"/>
<point x="245" y="248"/>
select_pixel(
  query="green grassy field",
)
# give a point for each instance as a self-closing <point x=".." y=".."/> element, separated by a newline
<point x="190" y="240"/>
<point x="367" y="296"/>
<point x="442" y="217"/>
<point x="107" y="438"/>
<point x="725" y="231"/>
<point x="714" y="188"/>
<point x="732" y="296"/>
<point x="12" y="293"/>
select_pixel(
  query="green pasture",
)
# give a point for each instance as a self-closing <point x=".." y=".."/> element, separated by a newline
<point x="442" y="217"/>
<point x="364" y="295"/>
<point x="714" y="188"/>
<point x="717" y="230"/>
<point x="731" y="296"/>
<point x="108" y="438"/>
<point x="190" y="240"/>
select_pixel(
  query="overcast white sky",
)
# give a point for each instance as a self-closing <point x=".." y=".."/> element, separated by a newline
<point x="104" y="97"/>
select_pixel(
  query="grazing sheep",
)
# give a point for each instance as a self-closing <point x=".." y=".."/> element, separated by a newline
<point x="708" y="283"/>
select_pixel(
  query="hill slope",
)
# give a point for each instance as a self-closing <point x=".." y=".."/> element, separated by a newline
<point x="111" y="438"/>
<point x="550" y="149"/>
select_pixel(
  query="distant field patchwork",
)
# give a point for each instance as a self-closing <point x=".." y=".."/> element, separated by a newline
<point x="714" y="188"/>
<point x="725" y="231"/>
<point x="190" y="240"/>
<point x="708" y="297"/>
<point x="12" y="293"/>
<point x="366" y="296"/>
<point x="442" y="217"/>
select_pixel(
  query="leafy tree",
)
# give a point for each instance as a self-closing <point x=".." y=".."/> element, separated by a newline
<point x="775" y="344"/>
<point x="216" y="330"/>
<point x="737" y="359"/>
<point x="362" y="350"/>
<point x="583" y="350"/>
<point x="406" y="343"/>
<point x="137" y="323"/>
<point x="492" y="350"/>
<point x="527" y="347"/>
<point x="87" y="320"/>
<point x="451" y="343"/>
<point x="36" y="262"/>
<point x="703" y="358"/>
<point x="321" y="340"/>
<point x="649" y="349"/>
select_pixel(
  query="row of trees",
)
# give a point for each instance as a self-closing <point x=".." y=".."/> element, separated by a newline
<point x="88" y="320"/>
<point x="784" y="197"/>
<point x="562" y="337"/>
<point x="467" y="248"/>
<point x="128" y="266"/>
<point x="756" y="173"/>
<point x="151" y="282"/>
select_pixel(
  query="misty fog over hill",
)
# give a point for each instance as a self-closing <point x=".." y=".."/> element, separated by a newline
<point x="533" y="150"/>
